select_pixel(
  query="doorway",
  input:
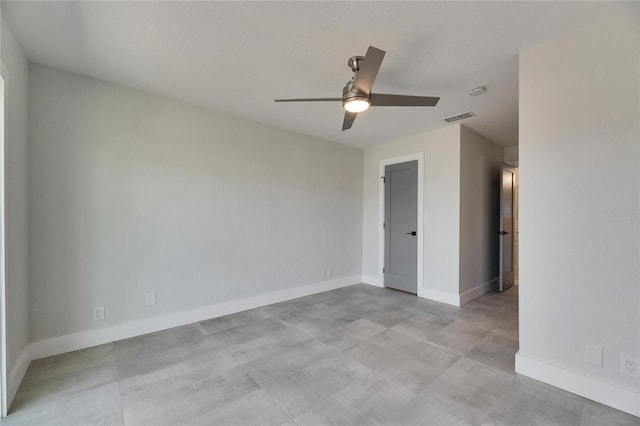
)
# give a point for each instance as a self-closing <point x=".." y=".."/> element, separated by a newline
<point x="508" y="228"/>
<point x="401" y="223"/>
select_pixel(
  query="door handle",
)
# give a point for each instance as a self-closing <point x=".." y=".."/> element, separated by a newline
<point x="503" y="232"/>
<point x="411" y="233"/>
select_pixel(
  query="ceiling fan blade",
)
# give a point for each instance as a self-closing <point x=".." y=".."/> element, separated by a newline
<point x="349" y="118"/>
<point x="368" y="70"/>
<point x="309" y="100"/>
<point x="381" y="99"/>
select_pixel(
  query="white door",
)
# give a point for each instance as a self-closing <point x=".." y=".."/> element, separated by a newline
<point x="507" y="188"/>
<point x="401" y="226"/>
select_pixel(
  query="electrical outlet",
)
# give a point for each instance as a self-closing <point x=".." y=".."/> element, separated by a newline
<point x="630" y="366"/>
<point x="150" y="298"/>
<point x="98" y="313"/>
<point x="323" y="274"/>
<point x="329" y="272"/>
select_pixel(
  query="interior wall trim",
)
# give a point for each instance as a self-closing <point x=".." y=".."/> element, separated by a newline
<point x="125" y="330"/>
<point x="440" y="296"/>
<point x="16" y="375"/>
<point x="606" y="393"/>
<point x="374" y="281"/>
<point x="478" y="291"/>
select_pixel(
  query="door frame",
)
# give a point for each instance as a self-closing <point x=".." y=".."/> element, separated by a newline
<point x="4" y="375"/>
<point x="419" y="156"/>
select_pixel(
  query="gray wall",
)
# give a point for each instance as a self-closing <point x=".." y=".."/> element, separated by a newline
<point x="579" y="198"/>
<point x="441" y="150"/>
<point x="131" y="193"/>
<point x="511" y="155"/>
<point x="16" y="123"/>
<point x="461" y="175"/>
<point x="480" y="165"/>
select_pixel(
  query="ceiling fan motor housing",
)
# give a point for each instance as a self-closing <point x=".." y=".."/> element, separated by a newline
<point x="349" y="93"/>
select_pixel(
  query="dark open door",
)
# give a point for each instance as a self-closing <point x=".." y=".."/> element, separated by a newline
<point x="506" y="277"/>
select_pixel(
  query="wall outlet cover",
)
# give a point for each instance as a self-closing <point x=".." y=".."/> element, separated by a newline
<point x="630" y="366"/>
<point x="98" y="313"/>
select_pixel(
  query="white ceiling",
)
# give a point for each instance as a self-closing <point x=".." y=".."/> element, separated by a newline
<point x="238" y="56"/>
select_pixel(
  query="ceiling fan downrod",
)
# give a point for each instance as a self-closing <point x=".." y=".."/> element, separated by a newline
<point x="354" y="63"/>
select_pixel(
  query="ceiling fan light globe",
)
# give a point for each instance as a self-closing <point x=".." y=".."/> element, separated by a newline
<point x="356" y="105"/>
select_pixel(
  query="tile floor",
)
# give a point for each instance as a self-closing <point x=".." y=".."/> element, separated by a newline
<point x="360" y="355"/>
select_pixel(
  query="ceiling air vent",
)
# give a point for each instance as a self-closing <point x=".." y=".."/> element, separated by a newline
<point x="460" y="116"/>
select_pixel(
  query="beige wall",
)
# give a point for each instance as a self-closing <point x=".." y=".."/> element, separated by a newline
<point x="15" y="73"/>
<point x="511" y="155"/>
<point x="480" y="165"/>
<point x="460" y="211"/>
<point x="441" y="219"/>
<point x="133" y="193"/>
<point x="579" y="203"/>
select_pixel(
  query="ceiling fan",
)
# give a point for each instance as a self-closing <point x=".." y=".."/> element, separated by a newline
<point x="357" y="96"/>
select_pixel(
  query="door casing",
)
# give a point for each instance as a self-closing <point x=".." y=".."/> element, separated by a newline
<point x="4" y="406"/>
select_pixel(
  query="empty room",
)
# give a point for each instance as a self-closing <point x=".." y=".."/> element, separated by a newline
<point x="320" y="213"/>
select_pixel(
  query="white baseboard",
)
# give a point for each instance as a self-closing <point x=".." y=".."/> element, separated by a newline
<point x="371" y="280"/>
<point x="440" y="296"/>
<point x="478" y="291"/>
<point x="437" y="295"/>
<point x="86" y="339"/>
<point x="606" y="393"/>
<point x="17" y="374"/>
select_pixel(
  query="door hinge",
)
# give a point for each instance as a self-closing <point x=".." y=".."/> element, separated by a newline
<point x="383" y="270"/>
<point x="384" y="179"/>
<point x="384" y="225"/>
